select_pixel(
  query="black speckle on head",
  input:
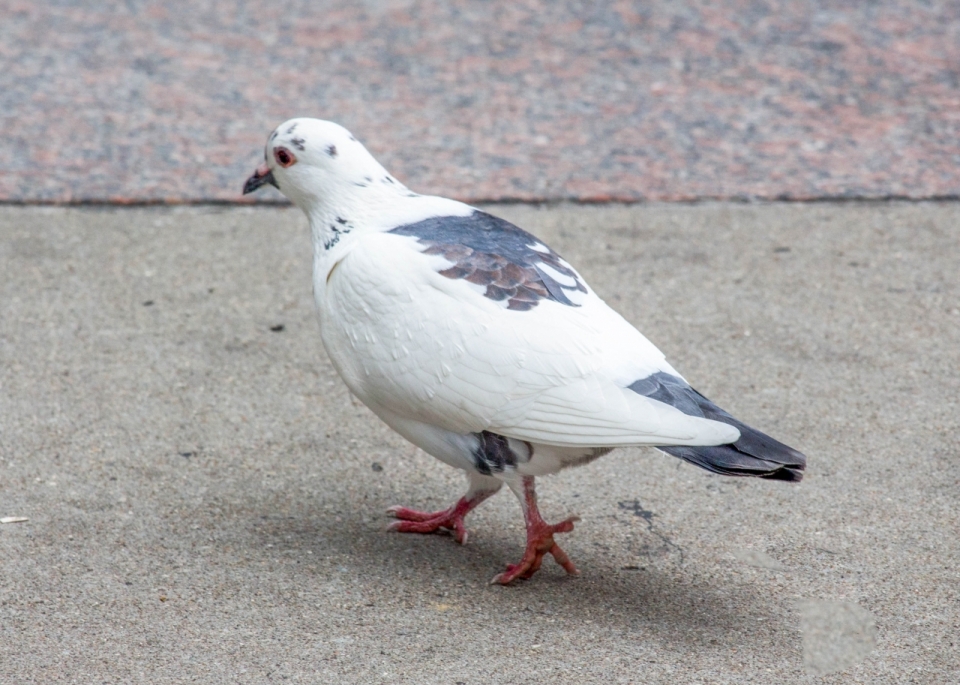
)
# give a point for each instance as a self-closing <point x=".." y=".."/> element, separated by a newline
<point x="332" y="150"/>
<point x="368" y="179"/>
<point x="298" y="143"/>
<point x="488" y="251"/>
<point x="387" y="179"/>
<point x="291" y="129"/>
<point x="341" y="220"/>
<point x="273" y="135"/>
<point x="352" y="138"/>
<point x="360" y="185"/>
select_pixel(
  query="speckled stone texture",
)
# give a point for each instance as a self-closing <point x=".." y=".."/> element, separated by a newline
<point x="487" y="100"/>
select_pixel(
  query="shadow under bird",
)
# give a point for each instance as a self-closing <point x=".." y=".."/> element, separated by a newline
<point x="480" y="345"/>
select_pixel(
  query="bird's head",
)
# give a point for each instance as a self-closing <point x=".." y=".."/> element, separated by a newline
<point x="310" y="160"/>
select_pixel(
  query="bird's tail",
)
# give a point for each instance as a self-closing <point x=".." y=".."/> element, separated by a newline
<point x="754" y="454"/>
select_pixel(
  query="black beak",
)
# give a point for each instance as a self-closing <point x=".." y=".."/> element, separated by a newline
<point x="261" y="176"/>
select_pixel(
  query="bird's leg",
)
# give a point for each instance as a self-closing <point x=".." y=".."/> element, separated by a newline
<point x="539" y="537"/>
<point x="414" y="521"/>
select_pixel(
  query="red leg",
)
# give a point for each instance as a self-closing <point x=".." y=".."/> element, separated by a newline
<point x="539" y="540"/>
<point x="413" y="521"/>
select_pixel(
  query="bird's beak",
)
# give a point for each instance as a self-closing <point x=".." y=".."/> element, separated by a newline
<point x="261" y="176"/>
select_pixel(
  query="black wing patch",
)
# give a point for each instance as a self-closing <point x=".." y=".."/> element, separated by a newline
<point x="492" y="252"/>
<point x="754" y="454"/>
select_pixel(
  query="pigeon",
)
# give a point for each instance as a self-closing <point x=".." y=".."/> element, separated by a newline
<point x="482" y="346"/>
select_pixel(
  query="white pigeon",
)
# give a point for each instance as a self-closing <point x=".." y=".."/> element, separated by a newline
<point x="480" y="345"/>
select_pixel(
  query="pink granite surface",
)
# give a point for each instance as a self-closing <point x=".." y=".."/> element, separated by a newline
<point x="153" y="101"/>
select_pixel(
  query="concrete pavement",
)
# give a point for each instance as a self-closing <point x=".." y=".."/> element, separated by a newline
<point x="205" y="499"/>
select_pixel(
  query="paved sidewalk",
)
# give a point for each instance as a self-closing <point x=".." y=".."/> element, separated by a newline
<point x="205" y="500"/>
<point x="133" y="100"/>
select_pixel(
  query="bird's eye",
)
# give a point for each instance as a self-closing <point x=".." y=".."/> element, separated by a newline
<point x="284" y="157"/>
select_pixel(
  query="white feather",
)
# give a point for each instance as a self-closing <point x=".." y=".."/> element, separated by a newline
<point x="554" y="375"/>
<point x="434" y="357"/>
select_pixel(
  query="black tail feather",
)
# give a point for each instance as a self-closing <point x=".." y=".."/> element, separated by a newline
<point x="754" y="454"/>
<point x="736" y="459"/>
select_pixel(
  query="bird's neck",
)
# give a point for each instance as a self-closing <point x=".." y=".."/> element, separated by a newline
<point x="348" y="211"/>
<point x="341" y="216"/>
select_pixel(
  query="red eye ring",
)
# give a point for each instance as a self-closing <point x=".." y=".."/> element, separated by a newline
<point x="284" y="157"/>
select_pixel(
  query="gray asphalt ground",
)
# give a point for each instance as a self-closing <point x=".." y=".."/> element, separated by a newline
<point x="205" y="499"/>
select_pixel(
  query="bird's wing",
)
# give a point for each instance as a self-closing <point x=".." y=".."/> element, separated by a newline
<point x="437" y="325"/>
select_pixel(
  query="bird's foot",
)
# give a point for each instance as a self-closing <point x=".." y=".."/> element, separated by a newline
<point x="539" y="543"/>
<point x="414" y="521"/>
<point x="539" y="538"/>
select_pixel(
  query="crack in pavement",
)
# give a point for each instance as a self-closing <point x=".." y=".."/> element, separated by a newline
<point x="634" y="507"/>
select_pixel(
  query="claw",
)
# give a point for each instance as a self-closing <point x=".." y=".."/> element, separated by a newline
<point x="540" y="542"/>
<point x="452" y="519"/>
<point x="540" y="534"/>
